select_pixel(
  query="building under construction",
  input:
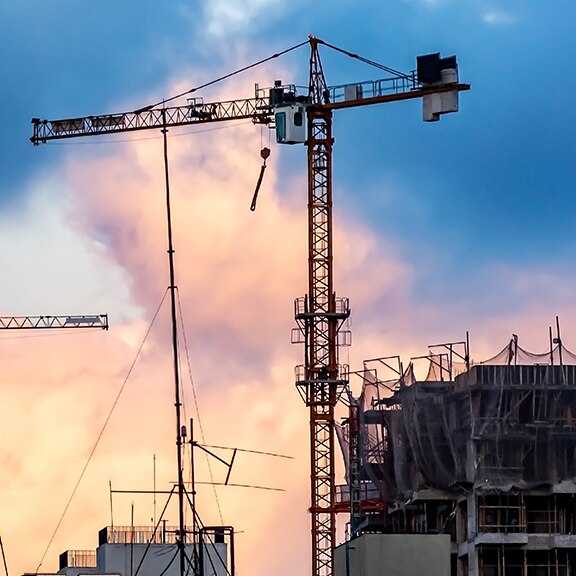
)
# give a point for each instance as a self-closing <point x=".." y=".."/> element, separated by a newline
<point x="475" y="466"/>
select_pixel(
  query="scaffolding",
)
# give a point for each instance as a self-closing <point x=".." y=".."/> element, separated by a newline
<point x="484" y="452"/>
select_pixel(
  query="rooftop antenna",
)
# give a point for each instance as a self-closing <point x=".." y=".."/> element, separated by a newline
<point x="111" y="508"/>
<point x="154" y="487"/>
<point x="193" y="496"/>
<point x="558" y="340"/>
<point x="467" y="358"/>
<point x="132" y="539"/>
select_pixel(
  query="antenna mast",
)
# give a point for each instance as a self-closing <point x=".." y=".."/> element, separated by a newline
<point x="180" y="432"/>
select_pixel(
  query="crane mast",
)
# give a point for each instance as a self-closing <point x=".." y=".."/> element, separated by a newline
<point x="320" y="314"/>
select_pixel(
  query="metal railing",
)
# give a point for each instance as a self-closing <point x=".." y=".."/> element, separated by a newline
<point x="138" y="535"/>
<point x="78" y="559"/>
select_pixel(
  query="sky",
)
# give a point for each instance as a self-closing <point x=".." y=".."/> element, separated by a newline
<point x="441" y="228"/>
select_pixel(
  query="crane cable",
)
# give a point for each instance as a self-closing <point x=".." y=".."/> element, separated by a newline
<point x="367" y="61"/>
<point x="101" y="432"/>
<point x="195" y="396"/>
<point x="226" y="76"/>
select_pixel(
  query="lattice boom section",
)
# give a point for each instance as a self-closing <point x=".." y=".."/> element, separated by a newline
<point x="323" y="520"/>
<point x="44" y="322"/>
<point x="322" y="352"/>
<point x="194" y="112"/>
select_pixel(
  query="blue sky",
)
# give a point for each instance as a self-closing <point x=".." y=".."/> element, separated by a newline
<point x="465" y="224"/>
<point x="495" y="179"/>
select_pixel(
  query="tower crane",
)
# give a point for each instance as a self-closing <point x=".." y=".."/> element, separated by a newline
<point x="320" y="315"/>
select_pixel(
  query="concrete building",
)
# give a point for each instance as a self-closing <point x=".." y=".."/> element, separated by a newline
<point x="139" y="551"/>
<point x="394" y="555"/>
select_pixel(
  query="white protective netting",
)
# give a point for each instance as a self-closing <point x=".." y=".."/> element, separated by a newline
<point x="508" y="421"/>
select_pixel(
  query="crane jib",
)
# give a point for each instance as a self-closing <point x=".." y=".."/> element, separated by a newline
<point x="43" y="322"/>
<point x="195" y="112"/>
<point x="258" y="109"/>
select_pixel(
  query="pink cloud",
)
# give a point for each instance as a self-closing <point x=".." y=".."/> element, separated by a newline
<point x="238" y="273"/>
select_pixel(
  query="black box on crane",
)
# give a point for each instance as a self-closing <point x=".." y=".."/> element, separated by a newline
<point x="429" y="67"/>
<point x="276" y="96"/>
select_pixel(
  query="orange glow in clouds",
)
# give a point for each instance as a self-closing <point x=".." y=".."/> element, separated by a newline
<point x="238" y="273"/>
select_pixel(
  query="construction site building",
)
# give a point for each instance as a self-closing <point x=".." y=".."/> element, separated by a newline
<point x="484" y="455"/>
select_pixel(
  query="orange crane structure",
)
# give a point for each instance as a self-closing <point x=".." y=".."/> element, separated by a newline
<point x="320" y="314"/>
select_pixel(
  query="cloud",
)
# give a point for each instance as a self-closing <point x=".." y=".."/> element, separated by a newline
<point x="237" y="275"/>
<point x="430" y="3"/>
<point x="491" y="16"/>
<point x="498" y="18"/>
<point x="229" y="16"/>
<point x="52" y="267"/>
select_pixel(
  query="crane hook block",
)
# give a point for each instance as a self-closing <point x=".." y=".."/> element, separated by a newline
<point x="264" y="154"/>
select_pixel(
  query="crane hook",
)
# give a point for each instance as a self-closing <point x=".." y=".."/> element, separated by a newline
<point x="264" y="154"/>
